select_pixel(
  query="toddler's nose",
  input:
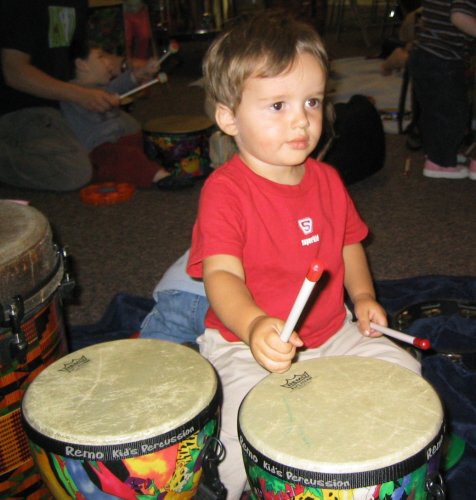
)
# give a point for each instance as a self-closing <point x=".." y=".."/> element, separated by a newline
<point x="300" y="118"/>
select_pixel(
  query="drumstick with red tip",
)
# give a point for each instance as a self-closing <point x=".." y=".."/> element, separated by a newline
<point x="162" y="78"/>
<point x="404" y="337"/>
<point x="315" y="272"/>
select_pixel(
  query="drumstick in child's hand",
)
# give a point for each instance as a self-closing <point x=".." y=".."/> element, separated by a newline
<point x="315" y="272"/>
<point x="173" y="48"/>
<point x="404" y="337"/>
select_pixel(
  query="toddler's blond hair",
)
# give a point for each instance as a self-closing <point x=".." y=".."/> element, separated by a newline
<point x="265" y="45"/>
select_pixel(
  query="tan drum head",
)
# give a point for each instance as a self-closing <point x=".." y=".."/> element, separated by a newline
<point x="178" y="124"/>
<point x="125" y="391"/>
<point x="342" y="414"/>
<point x="27" y="253"/>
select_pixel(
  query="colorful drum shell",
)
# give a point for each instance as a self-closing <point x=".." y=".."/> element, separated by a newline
<point x="125" y="419"/>
<point x="32" y="269"/>
<point x="341" y="427"/>
<point x="180" y="144"/>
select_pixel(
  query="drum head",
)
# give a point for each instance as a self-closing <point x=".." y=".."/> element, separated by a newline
<point x="124" y="391"/>
<point x="27" y="254"/>
<point x="341" y="414"/>
<point x="178" y="124"/>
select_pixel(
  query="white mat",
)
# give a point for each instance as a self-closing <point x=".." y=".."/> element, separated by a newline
<point x="358" y="75"/>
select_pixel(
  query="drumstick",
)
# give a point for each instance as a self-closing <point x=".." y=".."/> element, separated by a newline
<point x="315" y="272"/>
<point x="173" y="48"/>
<point x="416" y="341"/>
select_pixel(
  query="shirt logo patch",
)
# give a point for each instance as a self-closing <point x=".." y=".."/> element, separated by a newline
<point x="306" y="225"/>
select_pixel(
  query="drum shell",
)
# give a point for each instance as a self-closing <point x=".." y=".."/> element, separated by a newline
<point x="31" y="268"/>
<point x="179" y="144"/>
<point x="170" y="463"/>
<point x="272" y="477"/>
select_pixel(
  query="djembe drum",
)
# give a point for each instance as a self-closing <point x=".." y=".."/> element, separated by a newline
<point x="180" y="143"/>
<point x="128" y="418"/>
<point x="32" y="333"/>
<point x="342" y="427"/>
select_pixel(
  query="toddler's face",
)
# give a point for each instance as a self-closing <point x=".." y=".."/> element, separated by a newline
<point x="279" y="119"/>
<point x="99" y="66"/>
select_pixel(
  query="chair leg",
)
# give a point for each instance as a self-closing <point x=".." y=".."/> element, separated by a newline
<point x="402" y="100"/>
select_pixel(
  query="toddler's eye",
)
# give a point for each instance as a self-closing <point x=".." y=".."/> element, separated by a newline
<point x="277" y="106"/>
<point x="313" y="103"/>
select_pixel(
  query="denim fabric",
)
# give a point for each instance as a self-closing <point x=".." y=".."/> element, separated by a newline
<point x="441" y="89"/>
<point x="177" y="316"/>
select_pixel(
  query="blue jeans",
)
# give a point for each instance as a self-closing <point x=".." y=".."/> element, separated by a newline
<point x="177" y="316"/>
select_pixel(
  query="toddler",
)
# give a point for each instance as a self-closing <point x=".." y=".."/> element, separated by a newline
<point x="267" y="213"/>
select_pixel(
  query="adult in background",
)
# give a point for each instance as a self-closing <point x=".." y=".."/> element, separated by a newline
<point x="37" y="149"/>
<point x="439" y="67"/>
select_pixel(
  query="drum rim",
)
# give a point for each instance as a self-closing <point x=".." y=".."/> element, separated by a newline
<point x="353" y="471"/>
<point x="58" y="429"/>
<point x="114" y="452"/>
<point x="342" y="480"/>
<point x="191" y="132"/>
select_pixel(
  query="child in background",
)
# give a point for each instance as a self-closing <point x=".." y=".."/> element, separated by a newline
<point x="267" y="213"/>
<point x="114" y="139"/>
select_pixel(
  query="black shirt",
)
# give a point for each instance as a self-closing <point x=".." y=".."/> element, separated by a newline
<point x="46" y="30"/>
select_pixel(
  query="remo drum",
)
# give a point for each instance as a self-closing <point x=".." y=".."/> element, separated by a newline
<point x="342" y="427"/>
<point x="125" y="419"/>
<point x="180" y="143"/>
<point x="32" y="332"/>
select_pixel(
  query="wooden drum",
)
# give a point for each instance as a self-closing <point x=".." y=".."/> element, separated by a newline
<point x="125" y="419"/>
<point x="32" y="333"/>
<point x="180" y="143"/>
<point x="342" y="427"/>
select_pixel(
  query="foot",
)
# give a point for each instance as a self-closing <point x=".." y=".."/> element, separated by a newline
<point x="174" y="183"/>
<point x="472" y="170"/>
<point x="435" y="171"/>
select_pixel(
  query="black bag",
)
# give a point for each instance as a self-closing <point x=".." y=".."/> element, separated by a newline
<point x="358" y="147"/>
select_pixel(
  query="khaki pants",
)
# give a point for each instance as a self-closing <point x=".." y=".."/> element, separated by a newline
<point x="239" y="373"/>
<point x="39" y="151"/>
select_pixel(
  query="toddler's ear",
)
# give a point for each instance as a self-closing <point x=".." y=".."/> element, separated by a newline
<point x="225" y="119"/>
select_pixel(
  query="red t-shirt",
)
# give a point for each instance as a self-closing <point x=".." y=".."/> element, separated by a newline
<point x="276" y="231"/>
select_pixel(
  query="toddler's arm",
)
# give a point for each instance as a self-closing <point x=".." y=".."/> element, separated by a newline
<point x="231" y="300"/>
<point x="359" y="286"/>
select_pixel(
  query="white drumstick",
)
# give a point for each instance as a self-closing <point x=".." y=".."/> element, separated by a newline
<point x="173" y="48"/>
<point x="140" y="87"/>
<point x="313" y="275"/>
<point x="404" y="337"/>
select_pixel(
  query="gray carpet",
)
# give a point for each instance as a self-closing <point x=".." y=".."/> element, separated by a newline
<point x="418" y="226"/>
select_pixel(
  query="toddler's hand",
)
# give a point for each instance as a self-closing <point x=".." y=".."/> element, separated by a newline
<point x="268" y="349"/>
<point x="367" y="309"/>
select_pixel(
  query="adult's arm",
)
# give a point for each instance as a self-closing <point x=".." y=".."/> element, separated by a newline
<point x="20" y="74"/>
